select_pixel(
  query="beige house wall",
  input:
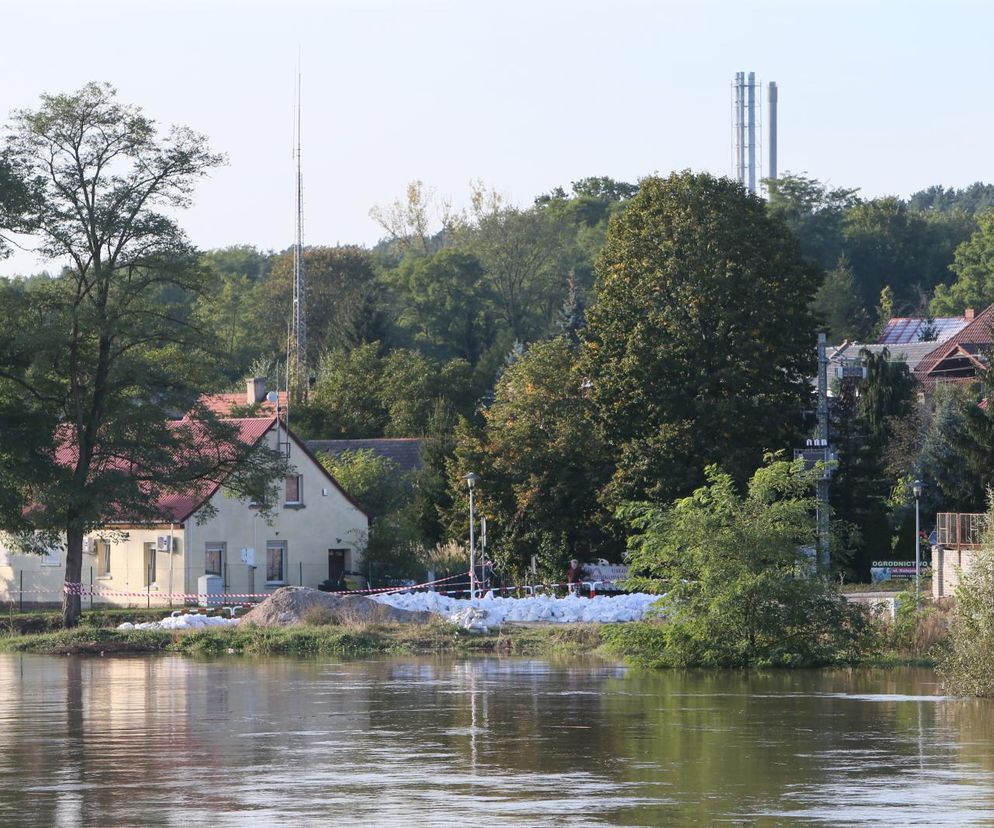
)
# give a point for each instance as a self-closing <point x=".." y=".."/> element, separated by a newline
<point x="948" y="566"/>
<point x="322" y="520"/>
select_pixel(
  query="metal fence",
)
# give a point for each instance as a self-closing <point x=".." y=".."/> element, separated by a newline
<point x="960" y="529"/>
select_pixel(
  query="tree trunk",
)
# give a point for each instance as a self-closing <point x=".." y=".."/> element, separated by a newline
<point x="71" y="600"/>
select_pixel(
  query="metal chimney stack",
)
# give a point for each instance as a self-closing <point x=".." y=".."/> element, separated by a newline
<point x="771" y="121"/>
<point x="751" y="93"/>
<point x="745" y="130"/>
<point x="740" y="127"/>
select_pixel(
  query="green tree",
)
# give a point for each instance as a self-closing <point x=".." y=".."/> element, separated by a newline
<point x="864" y="417"/>
<point x="345" y="401"/>
<point x="701" y="342"/>
<point x="540" y="464"/>
<point x="443" y="305"/>
<point x="814" y="213"/>
<point x="887" y="244"/>
<point x="972" y="200"/>
<point x="733" y="573"/>
<point x="15" y="198"/>
<point x="839" y="304"/>
<point x="522" y="256"/>
<point x="346" y="303"/>
<point x="411" y="385"/>
<point x="973" y="266"/>
<point x="108" y="348"/>
<point x="393" y="547"/>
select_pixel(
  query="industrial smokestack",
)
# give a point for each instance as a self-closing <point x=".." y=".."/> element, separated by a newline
<point x="740" y="127"/>
<point x="752" y="132"/>
<point x="771" y="141"/>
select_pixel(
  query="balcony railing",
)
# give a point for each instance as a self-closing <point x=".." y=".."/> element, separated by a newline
<point x="961" y="530"/>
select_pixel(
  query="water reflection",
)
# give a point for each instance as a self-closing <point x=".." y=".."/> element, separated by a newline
<point x="170" y="741"/>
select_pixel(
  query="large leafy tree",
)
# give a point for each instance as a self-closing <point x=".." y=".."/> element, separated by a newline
<point x="107" y="352"/>
<point x="701" y="343"/>
<point x="540" y="463"/>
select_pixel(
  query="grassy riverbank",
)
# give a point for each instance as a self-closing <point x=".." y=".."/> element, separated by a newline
<point x="341" y="640"/>
<point x="914" y="638"/>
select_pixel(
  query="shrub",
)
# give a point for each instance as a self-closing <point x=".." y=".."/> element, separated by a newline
<point x="965" y="666"/>
<point x="738" y="587"/>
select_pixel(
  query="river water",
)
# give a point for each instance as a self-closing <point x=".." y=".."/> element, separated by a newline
<point x="170" y="741"/>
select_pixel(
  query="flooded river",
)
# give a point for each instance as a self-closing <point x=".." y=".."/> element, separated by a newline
<point x="164" y="741"/>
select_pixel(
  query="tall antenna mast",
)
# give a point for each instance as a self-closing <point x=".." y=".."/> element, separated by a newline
<point x="299" y="286"/>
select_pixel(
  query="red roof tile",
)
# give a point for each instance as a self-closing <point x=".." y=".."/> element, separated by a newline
<point x="224" y="404"/>
<point x="175" y="506"/>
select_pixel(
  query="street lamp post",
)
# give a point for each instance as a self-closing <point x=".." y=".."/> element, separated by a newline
<point x="916" y="489"/>
<point x="470" y="481"/>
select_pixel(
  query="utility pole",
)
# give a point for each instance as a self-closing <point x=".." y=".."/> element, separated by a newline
<point x="823" y="481"/>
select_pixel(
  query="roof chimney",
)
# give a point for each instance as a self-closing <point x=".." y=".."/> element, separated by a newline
<point x="255" y="390"/>
<point x="968" y="313"/>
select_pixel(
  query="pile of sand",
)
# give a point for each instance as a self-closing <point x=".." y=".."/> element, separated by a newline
<point x="292" y="606"/>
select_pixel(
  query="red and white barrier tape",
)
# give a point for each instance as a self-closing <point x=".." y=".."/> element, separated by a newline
<point x="219" y="597"/>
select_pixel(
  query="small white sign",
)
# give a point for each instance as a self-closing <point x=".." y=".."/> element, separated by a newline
<point x="248" y="555"/>
<point x="51" y="558"/>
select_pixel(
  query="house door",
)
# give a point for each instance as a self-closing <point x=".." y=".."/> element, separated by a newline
<point x="336" y="567"/>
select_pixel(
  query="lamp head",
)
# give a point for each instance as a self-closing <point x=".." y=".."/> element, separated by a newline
<point x="471" y="479"/>
<point x="917" y="488"/>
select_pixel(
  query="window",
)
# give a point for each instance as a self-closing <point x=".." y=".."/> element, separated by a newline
<point x="149" y="575"/>
<point x="275" y="561"/>
<point x="294" y="489"/>
<point x="103" y="558"/>
<point x="214" y="559"/>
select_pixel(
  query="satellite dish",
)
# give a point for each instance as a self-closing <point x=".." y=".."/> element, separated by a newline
<point x="273" y="397"/>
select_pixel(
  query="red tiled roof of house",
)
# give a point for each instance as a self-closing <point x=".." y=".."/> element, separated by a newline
<point x="968" y="341"/>
<point x="177" y="507"/>
<point x="223" y="404"/>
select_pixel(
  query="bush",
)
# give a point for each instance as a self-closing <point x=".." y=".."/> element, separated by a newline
<point x="917" y="631"/>
<point x="965" y="666"/>
<point x="738" y="591"/>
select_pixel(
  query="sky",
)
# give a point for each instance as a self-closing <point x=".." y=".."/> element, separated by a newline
<point x="890" y="96"/>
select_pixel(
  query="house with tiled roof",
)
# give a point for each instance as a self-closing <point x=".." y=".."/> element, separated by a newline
<point x="961" y="356"/>
<point x="315" y="532"/>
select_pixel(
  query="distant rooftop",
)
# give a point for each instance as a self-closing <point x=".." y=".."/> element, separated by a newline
<point x="907" y="330"/>
<point x="404" y="451"/>
<point x="910" y="354"/>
